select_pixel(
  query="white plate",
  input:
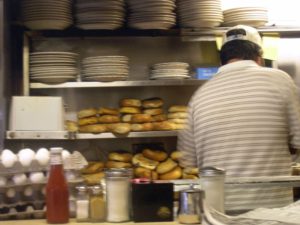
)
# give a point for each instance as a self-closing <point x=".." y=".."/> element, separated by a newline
<point x="99" y="26"/>
<point x="249" y="23"/>
<point x="47" y="24"/>
<point x="105" y="59"/>
<point x="152" y="25"/>
<point x="169" y="77"/>
<point x="105" y="78"/>
<point x="52" y="80"/>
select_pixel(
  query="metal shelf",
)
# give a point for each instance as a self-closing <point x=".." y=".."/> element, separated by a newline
<point x="65" y="135"/>
<point x="142" y="83"/>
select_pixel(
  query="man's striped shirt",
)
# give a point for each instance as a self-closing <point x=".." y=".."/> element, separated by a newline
<point x="243" y="120"/>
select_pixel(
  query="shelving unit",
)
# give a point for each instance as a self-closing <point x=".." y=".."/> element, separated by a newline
<point x="144" y="83"/>
<point x="65" y="135"/>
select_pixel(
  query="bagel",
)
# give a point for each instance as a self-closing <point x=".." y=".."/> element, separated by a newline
<point x="71" y="126"/>
<point x="94" y="128"/>
<point x="141" y="172"/>
<point x="109" y="119"/>
<point x="115" y="164"/>
<point x="86" y="113"/>
<point x="140" y="160"/>
<point x="93" y="167"/>
<point x="119" y="128"/>
<point x="152" y="103"/>
<point x="120" y="156"/>
<point x="176" y="155"/>
<point x="165" y="125"/>
<point x="130" y="110"/>
<point x="155" y="154"/>
<point x="92" y="179"/>
<point x="87" y="121"/>
<point x="153" y="112"/>
<point x="108" y="111"/>
<point x="174" y="174"/>
<point x="141" y="127"/>
<point x="159" y="118"/>
<point x="141" y="118"/>
<point x="189" y="176"/>
<point x="191" y="170"/>
<point x="127" y="118"/>
<point x="178" y="108"/>
<point x="177" y="115"/>
<point x="166" y="166"/>
<point x="130" y="102"/>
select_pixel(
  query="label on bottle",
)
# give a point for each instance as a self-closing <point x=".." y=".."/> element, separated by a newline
<point x="55" y="159"/>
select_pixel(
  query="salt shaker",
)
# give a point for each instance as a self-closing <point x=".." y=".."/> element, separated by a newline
<point x="212" y="182"/>
<point x="118" y="194"/>
<point x="82" y="204"/>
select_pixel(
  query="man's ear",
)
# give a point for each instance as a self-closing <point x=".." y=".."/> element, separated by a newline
<point x="260" y="61"/>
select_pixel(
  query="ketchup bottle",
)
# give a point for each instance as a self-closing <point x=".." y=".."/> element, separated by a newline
<point x="57" y="194"/>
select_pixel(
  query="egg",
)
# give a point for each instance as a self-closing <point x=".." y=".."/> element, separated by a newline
<point x="42" y="156"/>
<point x="8" y="158"/>
<point x="10" y="193"/>
<point x="65" y="154"/>
<point x="19" y="179"/>
<point x="26" y="156"/>
<point x="37" y="177"/>
<point x="28" y="191"/>
<point x="3" y="181"/>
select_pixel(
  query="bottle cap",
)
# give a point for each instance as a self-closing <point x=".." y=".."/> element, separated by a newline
<point x="56" y="150"/>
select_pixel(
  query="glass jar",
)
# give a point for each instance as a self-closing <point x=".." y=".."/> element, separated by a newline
<point x="97" y="204"/>
<point x="118" y="194"/>
<point x="212" y="182"/>
<point x="82" y="204"/>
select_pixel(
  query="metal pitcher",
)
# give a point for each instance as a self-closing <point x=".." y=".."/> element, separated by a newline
<point x="190" y="205"/>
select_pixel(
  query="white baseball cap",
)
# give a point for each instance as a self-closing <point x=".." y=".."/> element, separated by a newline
<point x="242" y="32"/>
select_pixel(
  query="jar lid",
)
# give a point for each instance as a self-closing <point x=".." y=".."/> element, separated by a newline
<point x="97" y="189"/>
<point x="211" y="171"/>
<point x="81" y="188"/>
<point x="191" y="189"/>
<point x="118" y="172"/>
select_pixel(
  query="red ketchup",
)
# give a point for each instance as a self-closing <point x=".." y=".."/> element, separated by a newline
<point x="57" y="193"/>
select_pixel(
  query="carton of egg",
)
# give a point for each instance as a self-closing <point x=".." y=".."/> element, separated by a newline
<point x="25" y="160"/>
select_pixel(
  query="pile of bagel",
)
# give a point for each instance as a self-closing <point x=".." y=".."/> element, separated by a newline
<point x="132" y="115"/>
<point x="149" y="163"/>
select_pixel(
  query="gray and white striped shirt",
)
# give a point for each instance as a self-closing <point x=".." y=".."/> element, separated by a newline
<point x="243" y="120"/>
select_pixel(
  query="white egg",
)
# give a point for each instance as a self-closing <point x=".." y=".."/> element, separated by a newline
<point x="8" y="158"/>
<point x="36" y="177"/>
<point x="28" y="191"/>
<point x="19" y="179"/>
<point x="26" y="156"/>
<point x="11" y="193"/>
<point x="42" y="156"/>
<point x="3" y="181"/>
<point x="65" y="154"/>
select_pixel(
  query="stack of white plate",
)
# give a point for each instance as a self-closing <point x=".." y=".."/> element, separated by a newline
<point x="53" y="67"/>
<point x="104" y="68"/>
<point x="151" y="14"/>
<point x="47" y="15"/>
<point x="170" y="70"/>
<point x="95" y="14"/>
<point x="199" y="13"/>
<point x="252" y="16"/>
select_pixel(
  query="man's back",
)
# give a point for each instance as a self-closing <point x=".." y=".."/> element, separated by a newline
<point x="240" y="122"/>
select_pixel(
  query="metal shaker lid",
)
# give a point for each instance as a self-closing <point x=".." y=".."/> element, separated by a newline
<point x="118" y="172"/>
<point x="191" y="189"/>
<point x="212" y="171"/>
